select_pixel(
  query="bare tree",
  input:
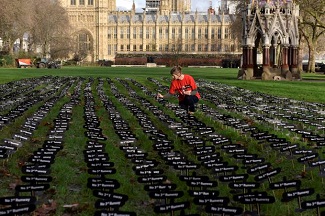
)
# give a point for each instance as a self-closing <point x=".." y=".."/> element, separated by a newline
<point x="14" y="21"/>
<point x="237" y="24"/>
<point x="312" y="26"/>
<point x="45" y="23"/>
<point x="50" y="29"/>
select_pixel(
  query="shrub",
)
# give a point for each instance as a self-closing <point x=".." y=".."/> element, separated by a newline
<point x="104" y="62"/>
<point x="169" y="59"/>
<point x="6" y="60"/>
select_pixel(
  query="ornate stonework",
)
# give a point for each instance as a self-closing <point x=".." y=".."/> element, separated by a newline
<point x="103" y="31"/>
<point x="271" y="29"/>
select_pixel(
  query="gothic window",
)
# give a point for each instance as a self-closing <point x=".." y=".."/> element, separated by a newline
<point x="134" y="33"/>
<point x="147" y="33"/>
<point x="109" y="34"/>
<point x="200" y="33"/>
<point x="199" y="47"/>
<point x="193" y="33"/>
<point x="121" y="33"/>
<point x="147" y="47"/>
<point x="206" y="33"/>
<point x="219" y="33"/>
<point x="179" y="46"/>
<point x="226" y="33"/>
<point x="187" y="48"/>
<point x="81" y="2"/>
<point x="160" y="33"/>
<point x="134" y="47"/>
<point x="166" y="48"/>
<point x="128" y="47"/>
<point x="173" y="33"/>
<point x="166" y="33"/>
<point x="128" y="33"/>
<point x="213" y="33"/>
<point x="90" y="2"/>
<point x="186" y="33"/>
<point x="109" y="50"/>
<point x="141" y="47"/>
<point x="73" y="2"/>
<point x="115" y="33"/>
<point x="83" y="44"/>
<point x="232" y="47"/>
<point x="193" y="48"/>
<point x="141" y="33"/>
<point x="226" y="48"/>
<point x="153" y="33"/>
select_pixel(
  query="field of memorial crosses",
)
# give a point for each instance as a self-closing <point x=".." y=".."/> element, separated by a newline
<point x="241" y="153"/>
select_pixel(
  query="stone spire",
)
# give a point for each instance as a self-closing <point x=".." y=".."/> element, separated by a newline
<point x="164" y="7"/>
<point x="224" y="9"/>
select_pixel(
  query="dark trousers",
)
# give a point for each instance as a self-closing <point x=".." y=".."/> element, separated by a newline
<point x="189" y="103"/>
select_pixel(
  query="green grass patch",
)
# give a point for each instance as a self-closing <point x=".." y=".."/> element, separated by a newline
<point x="70" y="171"/>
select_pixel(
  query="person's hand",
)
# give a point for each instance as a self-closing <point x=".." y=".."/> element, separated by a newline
<point x="187" y="92"/>
<point x="159" y="95"/>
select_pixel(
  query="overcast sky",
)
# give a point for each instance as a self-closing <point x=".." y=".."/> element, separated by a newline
<point x="201" y="5"/>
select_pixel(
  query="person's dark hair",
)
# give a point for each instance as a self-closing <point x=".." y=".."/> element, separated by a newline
<point x="176" y="69"/>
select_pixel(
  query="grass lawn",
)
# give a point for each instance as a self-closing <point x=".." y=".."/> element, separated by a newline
<point x="107" y="93"/>
<point x="311" y="88"/>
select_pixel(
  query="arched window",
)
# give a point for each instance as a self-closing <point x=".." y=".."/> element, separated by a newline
<point x="83" y="44"/>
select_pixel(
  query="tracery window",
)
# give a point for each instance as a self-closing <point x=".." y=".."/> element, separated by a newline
<point x="186" y="33"/>
<point x="226" y="33"/>
<point x="213" y="33"/>
<point x="200" y="34"/>
<point x="128" y="33"/>
<point x="121" y="33"/>
<point x="219" y="33"/>
<point x="160" y="33"/>
<point x="134" y="33"/>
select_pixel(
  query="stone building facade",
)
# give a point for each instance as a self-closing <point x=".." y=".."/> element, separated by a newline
<point x="271" y="29"/>
<point x="154" y="6"/>
<point x="101" y="31"/>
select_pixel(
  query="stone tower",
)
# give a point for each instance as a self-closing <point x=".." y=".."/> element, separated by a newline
<point x="224" y="9"/>
<point x="270" y="40"/>
<point x="164" y="8"/>
<point x="100" y="31"/>
<point x="174" y="6"/>
<point x="89" y="21"/>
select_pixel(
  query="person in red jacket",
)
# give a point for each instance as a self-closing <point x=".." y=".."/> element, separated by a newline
<point x="184" y="85"/>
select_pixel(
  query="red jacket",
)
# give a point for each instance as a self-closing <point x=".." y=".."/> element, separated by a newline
<point x="187" y="83"/>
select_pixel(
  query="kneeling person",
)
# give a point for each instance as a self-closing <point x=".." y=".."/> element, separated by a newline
<point x="185" y="86"/>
